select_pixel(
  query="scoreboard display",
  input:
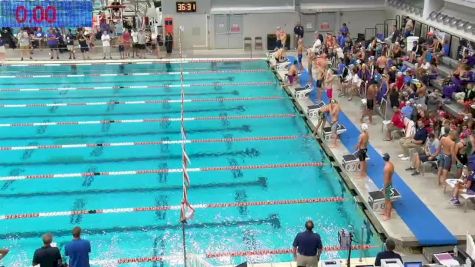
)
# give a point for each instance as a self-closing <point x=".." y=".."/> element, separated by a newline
<point x="186" y="7"/>
<point x="46" y="13"/>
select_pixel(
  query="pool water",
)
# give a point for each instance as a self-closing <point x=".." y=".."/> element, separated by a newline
<point x="159" y="233"/>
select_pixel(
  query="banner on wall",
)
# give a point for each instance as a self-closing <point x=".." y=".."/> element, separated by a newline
<point x="324" y="26"/>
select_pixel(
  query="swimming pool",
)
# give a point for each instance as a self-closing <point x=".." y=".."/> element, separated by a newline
<point x="113" y="121"/>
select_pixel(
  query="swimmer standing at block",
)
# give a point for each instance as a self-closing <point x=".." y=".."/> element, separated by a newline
<point x="388" y="186"/>
<point x="334" y="114"/>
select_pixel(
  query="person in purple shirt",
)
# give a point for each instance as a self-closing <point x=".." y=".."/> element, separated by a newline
<point x="344" y="30"/>
<point x="78" y="250"/>
<point x="53" y="41"/>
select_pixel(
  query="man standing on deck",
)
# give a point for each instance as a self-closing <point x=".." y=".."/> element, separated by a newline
<point x="362" y="149"/>
<point x="309" y="247"/>
<point x="388" y="186"/>
<point x="334" y="114"/>
<point x="446" y="154"/>
<point x="78" y="250"/>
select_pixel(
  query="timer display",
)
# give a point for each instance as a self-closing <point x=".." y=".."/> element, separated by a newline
<point x="45" y="13"/>
<point x="185" y="7"/>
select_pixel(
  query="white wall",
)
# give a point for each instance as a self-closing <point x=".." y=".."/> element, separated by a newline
<point x="357" y="21"/>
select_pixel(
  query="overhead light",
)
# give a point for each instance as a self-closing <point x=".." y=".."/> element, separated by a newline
<point x="412" y="9"/>
<point x="454" y="22"/>
<point x="441" y="17"/>
<point x="447" y="20"/>
<point x="461" y="24"/>
<point x="433" y="15"/>
<point x="468" y="27"/>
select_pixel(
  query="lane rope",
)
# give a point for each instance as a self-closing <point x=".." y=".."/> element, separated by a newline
<point x="143" y="102"/>
<point x="116" y="87"/>
<point x="152" y="120"/>
<point x="139" y="62"/>
<point x="261" y="252"/>
<point x="156" y="171"/>
<point x="191" y="72"/>
<point x="162" y="142"/>
<point x="171" y="207"/>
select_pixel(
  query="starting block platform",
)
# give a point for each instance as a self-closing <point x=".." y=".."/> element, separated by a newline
<point x="376" y="199"/>
<point x="312" y="111"/>
<point x="327" y="131"/>
<point x="351" y="163"/>
<point x="302" y="92"/>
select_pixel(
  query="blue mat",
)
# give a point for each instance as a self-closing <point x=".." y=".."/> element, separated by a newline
<point x="427" y="228"/>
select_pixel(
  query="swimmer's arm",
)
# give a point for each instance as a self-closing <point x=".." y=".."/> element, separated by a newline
<point x="3" y="252"/>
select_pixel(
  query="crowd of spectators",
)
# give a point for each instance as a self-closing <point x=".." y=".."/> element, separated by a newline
<point x="113" y="36"/>
<point x="400" y="83"/>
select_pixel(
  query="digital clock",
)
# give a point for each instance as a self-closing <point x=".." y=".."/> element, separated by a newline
<point x="185" y="7"/>
<point x="45" y="13"/>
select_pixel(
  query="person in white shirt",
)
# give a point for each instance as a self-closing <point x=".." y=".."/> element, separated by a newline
<point x="106" y="45"/>
<point x="24" y="41"/>
<point x="135" y="41"/>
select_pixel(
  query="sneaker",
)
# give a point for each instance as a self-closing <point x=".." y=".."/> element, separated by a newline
<point x="455" y="202"/>
<point x="415" y="173"/>
<point x="400" y="155"/>
<point x="405" y="158"/>
<point x="410" y="169"/>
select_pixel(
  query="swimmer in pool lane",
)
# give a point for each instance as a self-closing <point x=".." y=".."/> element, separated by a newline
<point x="388" y="186"/>
<point x="292" y="74"/>
<point x="334" y="114"/>
<point x="362" y="149"/>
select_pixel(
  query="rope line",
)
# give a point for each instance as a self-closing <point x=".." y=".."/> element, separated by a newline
<point x="141" y="102"/>
<point x="152" y="120"/>
<point x="156" y="171"/>
<point x="115" y="87"/>
<point x="172" y="207"/>
<point x="162" y="142"/>
<point x="225" y="254"/>
<point x="131" y="74"/>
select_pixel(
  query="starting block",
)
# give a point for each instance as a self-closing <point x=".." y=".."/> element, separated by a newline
<point x="312" y="111"/>
<point x="327" y="131"/>
<point x="283" y="65"/>
<point x="351" y="163"/>
<point x="302" y="92"/>
<point x="376" y="199"/>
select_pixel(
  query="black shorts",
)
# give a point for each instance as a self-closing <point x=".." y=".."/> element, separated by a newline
<point x="362" y="154"/>
<point x="141" y="46"/>
<point x="121" y="48"/>
<point x="380" y="70"/>
<point x="278" y="44"/>
<point x="370" y="104"/>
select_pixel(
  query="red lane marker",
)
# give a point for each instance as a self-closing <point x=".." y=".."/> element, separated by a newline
<point x="266" y="166"/>
<point x="278" y="251"/>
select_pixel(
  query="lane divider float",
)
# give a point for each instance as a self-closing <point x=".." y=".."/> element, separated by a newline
<point x="156" y="171"/>
<point x="191" y="72"/>
<point x="173" y="207"/>
<point x="117" y="87"/>
<point x="143" y="102"/>
<point x="152" y="120"/>
<point x="261" y="252"/>
<point x="161" y="142"/>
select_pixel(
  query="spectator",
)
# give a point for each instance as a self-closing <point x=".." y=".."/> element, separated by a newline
<point x="430" y="153"/>
<point x="24" y="41"/>
<point x="127" y="38"/>
<point x="135" y="42"/>
<point x="2" y="49"/>
<point x="48" y="255"/>
<point x="38" y="38"/>
<point x="53" y="42"/>
<point x="396" y="126"/>
<point x="78" y="250"/>
<point x="141" y="44"/>
<point x="70" y="44"/>
<point x="106" y="45"/>
<point x="82" y="40"/>
<point x="309" y="247"/>
<point x="467" y="185"/>
<point x="415" y="142"/>
<point x="344" y="30"/>
<point x="388" y="253"/>
<point x="408" y="109"/>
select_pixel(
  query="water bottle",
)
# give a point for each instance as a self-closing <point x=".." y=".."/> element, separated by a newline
<point x="456" y="252"/>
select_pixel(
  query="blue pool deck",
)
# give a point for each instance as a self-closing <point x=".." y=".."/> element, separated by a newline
<point x="424" y="216"/>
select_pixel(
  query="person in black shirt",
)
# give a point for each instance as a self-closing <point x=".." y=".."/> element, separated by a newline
<point x="47" y="256"/>
<point x="388" y="253"/>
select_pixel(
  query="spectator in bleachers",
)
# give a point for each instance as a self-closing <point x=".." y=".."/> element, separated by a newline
<point x="344" y="30"/>
<point x="429" y="153"/>
<point x="468" y="58"/>
<point x="415" y="142"/>
<point x="460" y="151"/>
<point x="408" y="109"/>
<point x="467" y="185"/>
<point x="396" y="126"/>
